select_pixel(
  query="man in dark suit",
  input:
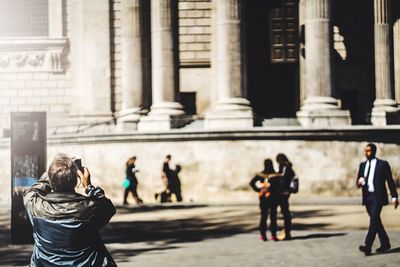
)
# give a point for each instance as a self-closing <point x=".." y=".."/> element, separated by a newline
<point x="372" y="177"/>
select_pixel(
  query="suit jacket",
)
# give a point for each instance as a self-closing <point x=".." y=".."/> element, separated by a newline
<point x="382" y="175"/>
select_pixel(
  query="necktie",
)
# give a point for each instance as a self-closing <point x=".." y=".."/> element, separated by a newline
<point x="369" y="168"/>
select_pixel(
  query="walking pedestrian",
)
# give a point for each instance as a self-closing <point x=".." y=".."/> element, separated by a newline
<point x="131" y="181"/>
<point x="373" y="174"/>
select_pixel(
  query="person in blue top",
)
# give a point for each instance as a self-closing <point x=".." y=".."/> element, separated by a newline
<point x="132" y="185"/>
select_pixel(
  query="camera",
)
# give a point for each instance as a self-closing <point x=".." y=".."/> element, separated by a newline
<point x="78" y="163"/>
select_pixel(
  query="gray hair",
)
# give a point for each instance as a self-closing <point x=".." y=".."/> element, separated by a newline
<point x="63" y="173"/>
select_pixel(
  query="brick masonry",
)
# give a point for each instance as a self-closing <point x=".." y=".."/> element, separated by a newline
<point x="194" y="31"/>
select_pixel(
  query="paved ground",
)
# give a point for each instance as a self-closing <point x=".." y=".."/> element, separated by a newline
<point x="226" y="235"/>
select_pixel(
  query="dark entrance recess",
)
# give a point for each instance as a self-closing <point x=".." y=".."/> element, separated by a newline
<point x="354" y="70"/>
<point x="272" y="57"/>
<point x="188" y="101"/>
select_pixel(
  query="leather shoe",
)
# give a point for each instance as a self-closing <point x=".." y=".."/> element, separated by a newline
<point x="365" y="249"/>
<point x="383" y="248"/>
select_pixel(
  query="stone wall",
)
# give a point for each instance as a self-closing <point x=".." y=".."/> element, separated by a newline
<point x="35" y="74"/>
<point x="32" y="91"/>
<point x="194" y="31"/>
<point x="213" y="170"/>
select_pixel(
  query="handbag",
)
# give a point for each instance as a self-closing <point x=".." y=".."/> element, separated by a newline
<point x="294" y="185"/>
<point x="126" y="183"/>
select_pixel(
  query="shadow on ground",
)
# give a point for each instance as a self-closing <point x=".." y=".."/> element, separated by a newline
<point x="165" y="234"/>
<point x="162" y="234"/>
<point x="318" y="236"/>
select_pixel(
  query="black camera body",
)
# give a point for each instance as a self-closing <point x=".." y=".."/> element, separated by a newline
<point x="78" y="163"/>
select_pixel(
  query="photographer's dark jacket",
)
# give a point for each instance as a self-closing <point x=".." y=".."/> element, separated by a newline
<point x="66" y="226"/>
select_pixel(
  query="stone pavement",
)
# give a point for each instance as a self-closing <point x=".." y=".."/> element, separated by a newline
<point x="226" y="235"/>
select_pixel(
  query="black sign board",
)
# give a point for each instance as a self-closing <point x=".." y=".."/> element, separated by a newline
<point x="28" y="162"/>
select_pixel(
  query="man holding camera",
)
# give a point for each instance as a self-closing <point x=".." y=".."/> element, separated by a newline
<point x="372" y="177"/>
<point x="66" y="224"/>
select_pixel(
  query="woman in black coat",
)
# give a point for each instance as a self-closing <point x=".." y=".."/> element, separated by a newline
<point x="286" y="172"/>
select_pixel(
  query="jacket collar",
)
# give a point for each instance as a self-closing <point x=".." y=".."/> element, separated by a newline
<point x="59" y="197"/>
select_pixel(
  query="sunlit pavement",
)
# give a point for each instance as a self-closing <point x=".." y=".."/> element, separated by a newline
<point x="226" y="235"/>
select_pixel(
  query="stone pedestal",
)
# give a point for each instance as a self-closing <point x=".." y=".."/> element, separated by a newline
<point x="164" y="116"/>
<point x="230" y="114"/>
<point x="322" y="112"/>
<point x="319" y="108"/>
<point x="231" y="109"/>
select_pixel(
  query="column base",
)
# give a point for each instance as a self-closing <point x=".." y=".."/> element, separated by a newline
<point x="231" y="113"/>
<point x="385" y="112"/>
<point x="162" y="122"/>
<point x="322" y="112"/>
<point x="128" y="119"/>
<point x="164" y="116"/>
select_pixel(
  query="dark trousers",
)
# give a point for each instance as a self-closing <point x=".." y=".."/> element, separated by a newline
<point x="177" y="192"/>
<point x="268" y="207"/>
<point x="375" y="223"/>
<point x="174" y="187"/>
<point x="133" y="190"/>
<point x="287" y="217"/>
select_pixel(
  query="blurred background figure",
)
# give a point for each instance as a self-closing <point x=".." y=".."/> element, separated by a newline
<point x="174" y="183"/>
<point x="171" y="182"/>
<point x="131" y="182"/>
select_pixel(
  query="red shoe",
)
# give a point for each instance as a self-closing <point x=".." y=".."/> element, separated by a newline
<point x="274" y="238"/>
<point x="263" y="238"/>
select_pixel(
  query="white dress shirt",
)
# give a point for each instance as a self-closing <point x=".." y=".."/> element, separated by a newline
<point x="370" y="177"/>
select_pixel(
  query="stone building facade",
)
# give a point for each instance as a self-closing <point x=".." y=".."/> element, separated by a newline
<point x="120" y="68"/>
<point x="152" y="65"/>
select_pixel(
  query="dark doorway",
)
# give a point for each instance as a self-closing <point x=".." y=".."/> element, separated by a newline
<point x="272" y="57"/>
<point x="354" y="72"/>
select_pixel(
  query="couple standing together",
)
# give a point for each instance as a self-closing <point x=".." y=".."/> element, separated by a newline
<point x="275" y="191"/>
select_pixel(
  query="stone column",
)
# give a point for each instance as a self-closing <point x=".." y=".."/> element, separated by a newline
<point x="302" y="67"/>
<point x="319" y="108"/>
<point x="56" y="19"/>
<point x="232" y="109"/>
<point x="396" y="46"/>
<point x="385" y="109"/>
<point x="135" y="64"/>
<point x="90" y="60"/>
<point x="166" y="112"/>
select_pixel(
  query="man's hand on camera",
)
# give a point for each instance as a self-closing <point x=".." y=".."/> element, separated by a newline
<point x="85" y="177"/>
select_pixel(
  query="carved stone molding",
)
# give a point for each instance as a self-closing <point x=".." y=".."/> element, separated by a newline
<point x="33" y="54"/>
